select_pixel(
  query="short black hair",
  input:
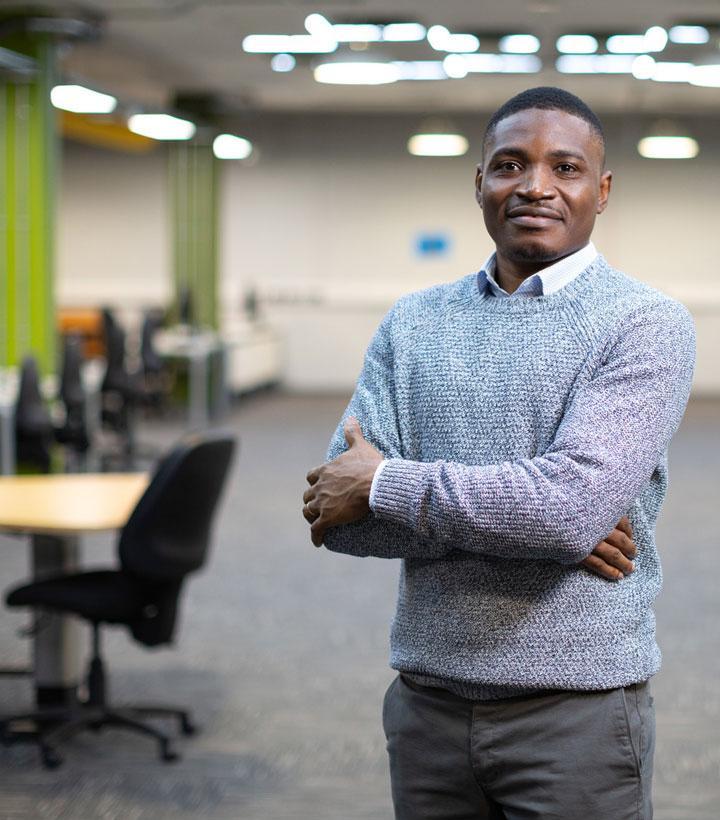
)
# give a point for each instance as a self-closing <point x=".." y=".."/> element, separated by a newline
<point x="551" y="99"/>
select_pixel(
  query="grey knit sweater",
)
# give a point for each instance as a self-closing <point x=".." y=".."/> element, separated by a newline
<point x="519" y="431"/>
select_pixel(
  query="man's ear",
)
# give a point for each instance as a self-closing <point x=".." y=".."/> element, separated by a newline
<point x="603" y="195"/>
<point x="478" y="184"/>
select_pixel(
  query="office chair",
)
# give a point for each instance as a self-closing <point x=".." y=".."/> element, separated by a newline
<point x="73" y="434"/>
<point x="155" y="373"/>
<point x="165" y="539"/>
<point x="33" y="425"/>
<point x="118" y="391"/>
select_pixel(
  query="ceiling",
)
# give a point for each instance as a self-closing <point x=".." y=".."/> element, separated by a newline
<point x="151" y="49"/>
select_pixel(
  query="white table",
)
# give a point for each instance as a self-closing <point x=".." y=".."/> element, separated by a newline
<point x="55" y="511"/>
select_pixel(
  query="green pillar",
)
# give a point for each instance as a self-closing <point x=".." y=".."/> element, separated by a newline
<point x="193" y="172"/>
<point x="28" y="159"/>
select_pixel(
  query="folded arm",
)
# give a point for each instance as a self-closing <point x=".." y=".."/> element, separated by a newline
<point x="560" y="504"/>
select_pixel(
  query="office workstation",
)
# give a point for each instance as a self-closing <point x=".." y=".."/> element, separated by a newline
<point x="197" y="246"/>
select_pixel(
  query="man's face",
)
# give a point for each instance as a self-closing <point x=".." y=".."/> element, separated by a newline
<point x="541" y="185"/>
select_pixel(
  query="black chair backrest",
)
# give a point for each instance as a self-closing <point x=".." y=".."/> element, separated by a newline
<point x="31" y="414"/>
<point x="72" y="391"/>
<point x="152" y="363"/>
<point x="116" y="376"/>
<point x="168" y="533"/>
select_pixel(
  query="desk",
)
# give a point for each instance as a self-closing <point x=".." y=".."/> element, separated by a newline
<point x="197" y="348"/>
<point x="55" y="510"/>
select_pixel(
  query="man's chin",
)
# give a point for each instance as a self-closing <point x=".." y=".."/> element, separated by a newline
<point x="536" y="252"/>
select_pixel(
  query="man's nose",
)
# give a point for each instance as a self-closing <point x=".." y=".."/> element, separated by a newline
<point x="536" y="183"/>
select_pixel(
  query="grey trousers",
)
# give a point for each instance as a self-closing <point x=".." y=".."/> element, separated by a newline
<point x="551" y="756"/>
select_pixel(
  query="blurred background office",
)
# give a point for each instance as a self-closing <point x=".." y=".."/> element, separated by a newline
<point x="205" y="210"/>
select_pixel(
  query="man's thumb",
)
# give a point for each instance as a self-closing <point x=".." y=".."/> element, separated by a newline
<point x="353" y="431"/>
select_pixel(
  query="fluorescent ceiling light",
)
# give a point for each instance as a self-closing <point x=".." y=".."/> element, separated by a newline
<point x="707" y="76"/>
<point x="654" y="39"/>
<point x="576" y="44"/>
<point x="689" y="35"/>
<point x="357" y="73"/>
<point x="595" y="63"/>
<point x="519" y="44"/>
<point x="421" y="70"/>
<point x="161" y="127"/>
<point x="404" y="32"/>
<point x="357" y="33"/>
<point x="443" y="40"/>
<point x="437" y="145"/>
<point x="288" y="43"/>
<point x="228" y="146"/>
<point x="519" y="63"/>
<point x="282" y="62"/>
<point x="458" y="66"/>
<point x="82" y="100"/>
<point x="646" y="68"/>
<point x="668" y="148"/>
<point x="318" y="25"/>
<point x="643" y="67"/>
<point x="626" y="44"/>
<point x="672" y="72"/>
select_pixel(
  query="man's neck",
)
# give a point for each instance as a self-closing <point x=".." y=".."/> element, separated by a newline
<point x="511" y="273"/>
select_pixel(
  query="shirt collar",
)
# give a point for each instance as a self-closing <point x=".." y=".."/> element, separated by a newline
<point x="548" y="280"/>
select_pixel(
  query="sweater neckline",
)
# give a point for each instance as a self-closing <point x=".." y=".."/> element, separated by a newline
<point x="471" y="296"/>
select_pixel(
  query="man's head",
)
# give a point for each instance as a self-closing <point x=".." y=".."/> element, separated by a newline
<point x="542" y="180"/>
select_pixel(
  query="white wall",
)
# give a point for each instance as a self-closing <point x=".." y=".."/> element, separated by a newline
<point x="113" y="228"/>
<point x="324" y="223"/>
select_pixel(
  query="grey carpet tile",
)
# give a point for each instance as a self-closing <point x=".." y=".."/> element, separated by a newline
<point x="282" y="652"/>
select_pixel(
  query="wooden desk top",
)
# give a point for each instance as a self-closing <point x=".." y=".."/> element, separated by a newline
<point x="69" y="504"/>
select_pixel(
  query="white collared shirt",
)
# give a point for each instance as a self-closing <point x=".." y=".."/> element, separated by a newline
<point x="548" y="280"/>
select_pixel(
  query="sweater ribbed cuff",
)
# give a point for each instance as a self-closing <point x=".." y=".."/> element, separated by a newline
<point x="399" y="490"/>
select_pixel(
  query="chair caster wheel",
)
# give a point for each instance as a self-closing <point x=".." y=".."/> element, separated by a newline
<point x="50" y="758"/>
<point x="167" y="753"/>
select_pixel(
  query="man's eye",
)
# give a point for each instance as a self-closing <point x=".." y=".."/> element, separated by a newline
<point x="566" y="168"/>
<point x="508" y="165"/>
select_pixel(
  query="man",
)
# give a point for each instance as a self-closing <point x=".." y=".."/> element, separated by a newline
<point x="507" y="437"/>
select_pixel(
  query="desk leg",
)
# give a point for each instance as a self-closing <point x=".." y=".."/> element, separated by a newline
<point x="7" y="441"/>
<point x="57" y="644"/>
<point x="221" y="399"/>
<point x="198" y="387"/>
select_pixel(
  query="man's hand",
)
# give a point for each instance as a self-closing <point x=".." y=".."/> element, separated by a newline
<point x="339" y="491"/>
<point x="612" y="558"/>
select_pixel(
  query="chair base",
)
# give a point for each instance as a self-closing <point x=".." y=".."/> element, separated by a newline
<point x="51" y="727"/>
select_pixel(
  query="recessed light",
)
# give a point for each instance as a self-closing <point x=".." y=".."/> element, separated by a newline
<point x="161" y="126"/>
<point x="666" y="147"/>
<point x="81" y="100"/>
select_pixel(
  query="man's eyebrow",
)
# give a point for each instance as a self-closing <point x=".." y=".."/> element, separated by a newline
<point x="509" y="150"/>
<point x="558" y="153"/>
<point x="563" y="153"/>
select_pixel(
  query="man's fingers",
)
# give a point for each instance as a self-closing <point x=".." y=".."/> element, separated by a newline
<point x="308" y="495"/>
<point x="625" y="526"/>
<point x="599" y="567"/>
<point x="353" y="431"/>
<point x="313" y="475"/>
<point x="317" y="532"/>
<point x="614" y="557"/>
<point x="309" y="514"/>
<point x="621" y="541"/>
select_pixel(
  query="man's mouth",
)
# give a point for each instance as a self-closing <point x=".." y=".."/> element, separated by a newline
<point x="529" y="217"/>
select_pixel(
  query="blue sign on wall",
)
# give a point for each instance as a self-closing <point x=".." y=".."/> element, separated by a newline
<point x="432" y="244"/>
